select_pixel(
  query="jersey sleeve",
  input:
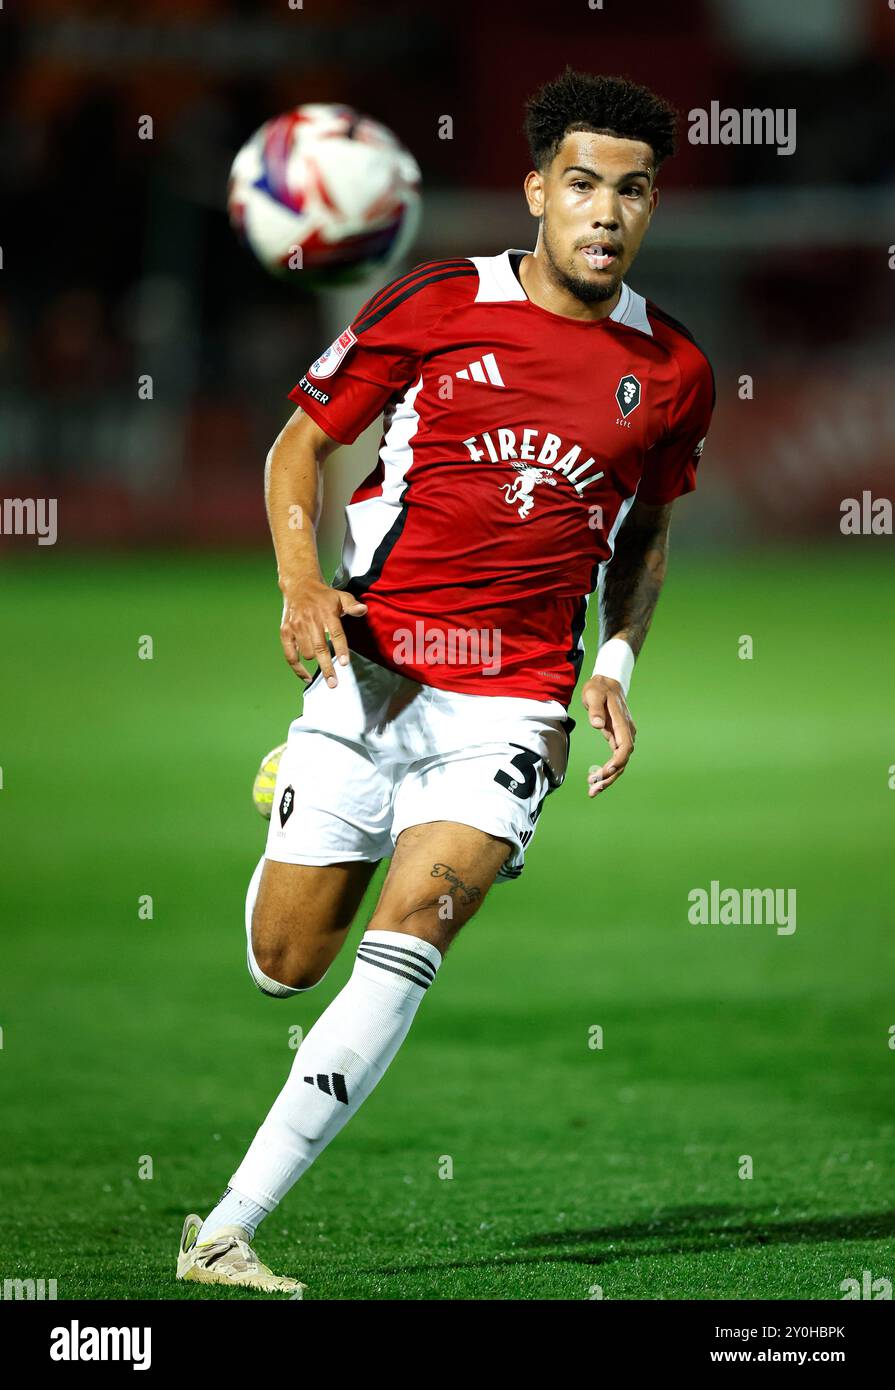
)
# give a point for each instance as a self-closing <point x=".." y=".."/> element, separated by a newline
<point x="670" y="467"/>
<point x="377" y="356"/>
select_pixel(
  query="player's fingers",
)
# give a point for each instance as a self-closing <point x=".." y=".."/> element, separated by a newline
<point x="350" y="604"/>
<point x="290" y="652"/>
<point x="624" y="747"/>
<point x="613" y="767"/>
<point x="311" y="639"/>
<point x="622" y="723"/>
<point x="599" y="778"/>
<point x="611" y="771"/>
<point x="340" y="643"/>
<point x="595" y="704"/>
<point x="601" y="784"/>
<point x="324" y="660"/>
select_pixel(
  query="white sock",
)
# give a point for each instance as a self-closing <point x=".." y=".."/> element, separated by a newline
<point x="338" y="1063"/>
<point x="234" y="1209"/>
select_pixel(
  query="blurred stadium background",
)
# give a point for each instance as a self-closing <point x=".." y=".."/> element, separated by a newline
<point x="119" y="260"/>
<point x="123" y="1037"/>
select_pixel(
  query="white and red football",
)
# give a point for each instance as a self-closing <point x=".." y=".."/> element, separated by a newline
<point x="324" y="191"/>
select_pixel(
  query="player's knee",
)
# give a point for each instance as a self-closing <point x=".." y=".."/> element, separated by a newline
<point x="280" y="974"/>
<point x="434" y="922"/>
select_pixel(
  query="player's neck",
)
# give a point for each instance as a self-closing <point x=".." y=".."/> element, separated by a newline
<point x="542" y="290"/>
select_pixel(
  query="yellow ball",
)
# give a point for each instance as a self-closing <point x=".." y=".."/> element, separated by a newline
<point x="266" y="781"/>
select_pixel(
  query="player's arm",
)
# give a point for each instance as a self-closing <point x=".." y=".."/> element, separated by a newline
<point x="293" y="493"/>
<point x="370" y="363"/>
<point x="631" y="588"/>
<point x="635" y="574"/>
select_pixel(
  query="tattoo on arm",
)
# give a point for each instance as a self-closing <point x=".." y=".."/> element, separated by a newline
<point x="634" y="578"/>
<point x="471" y="894"/>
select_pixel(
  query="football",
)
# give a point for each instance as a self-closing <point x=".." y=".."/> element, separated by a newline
<point x="266" y="780"/>
<point x="324" y="191"/>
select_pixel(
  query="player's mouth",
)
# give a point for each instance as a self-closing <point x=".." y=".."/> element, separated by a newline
<point x="600" y="255"/>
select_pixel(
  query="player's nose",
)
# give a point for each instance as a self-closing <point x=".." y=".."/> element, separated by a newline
<point x="604" y="208"/>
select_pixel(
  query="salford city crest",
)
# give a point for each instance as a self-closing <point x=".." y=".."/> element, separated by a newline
<point x="287" y="804"/>
<point x="628" y="394"/>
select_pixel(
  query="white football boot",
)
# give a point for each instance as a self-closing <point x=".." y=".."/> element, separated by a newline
<point x="228" y="1259"/>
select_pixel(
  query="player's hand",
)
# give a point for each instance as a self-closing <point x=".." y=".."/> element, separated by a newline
<point x="607" y="711"/>
<point x="311" y="609"/>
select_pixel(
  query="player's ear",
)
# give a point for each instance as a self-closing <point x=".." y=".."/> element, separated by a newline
<point x="533" y="187"/>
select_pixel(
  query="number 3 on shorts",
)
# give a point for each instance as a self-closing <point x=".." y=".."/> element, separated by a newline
<point x="525" y="762"/>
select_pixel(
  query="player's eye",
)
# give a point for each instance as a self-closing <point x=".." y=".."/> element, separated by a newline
<point x="580" y="183"/>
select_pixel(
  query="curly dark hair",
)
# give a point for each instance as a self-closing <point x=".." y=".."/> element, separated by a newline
<point x="605" y="105"/>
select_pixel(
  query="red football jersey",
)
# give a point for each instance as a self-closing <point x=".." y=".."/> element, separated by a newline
<point x="514" y="443"/>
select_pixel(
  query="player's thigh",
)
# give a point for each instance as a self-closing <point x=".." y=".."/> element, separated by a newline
<point x="330" y="825"/>
<point x="438" y="878"/>
<point x="302" y="914"/>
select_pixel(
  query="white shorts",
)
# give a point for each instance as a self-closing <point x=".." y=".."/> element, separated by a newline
<point x="380" y="753"/>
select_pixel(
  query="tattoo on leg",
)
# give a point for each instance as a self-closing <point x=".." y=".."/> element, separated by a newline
<point x="470" y="892"/>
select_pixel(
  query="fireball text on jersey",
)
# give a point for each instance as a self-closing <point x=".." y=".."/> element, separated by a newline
<point x="548" y="455"/>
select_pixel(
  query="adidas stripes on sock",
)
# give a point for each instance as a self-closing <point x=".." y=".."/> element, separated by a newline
<point x="336" y="1067"/>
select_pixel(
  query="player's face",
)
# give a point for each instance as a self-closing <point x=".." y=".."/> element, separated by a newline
<point x="595" y="200"/>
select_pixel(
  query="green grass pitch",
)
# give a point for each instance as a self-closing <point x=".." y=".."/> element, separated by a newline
<point x="574" y="1168"/>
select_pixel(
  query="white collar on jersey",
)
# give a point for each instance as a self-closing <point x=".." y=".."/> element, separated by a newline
<point x="499" y="281"/>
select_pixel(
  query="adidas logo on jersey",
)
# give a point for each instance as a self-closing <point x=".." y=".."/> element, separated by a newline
<point x="485" y="371"/>
<point x="332" y="1083"/>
